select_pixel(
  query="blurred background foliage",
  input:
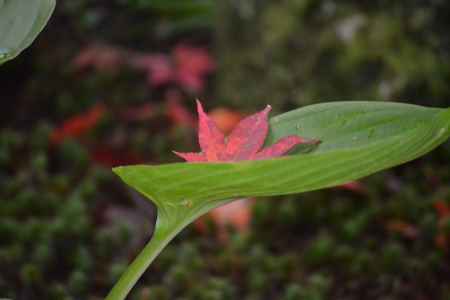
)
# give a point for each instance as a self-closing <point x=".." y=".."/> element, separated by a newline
<point x="303" y="51"/>
<point x="114" y="82"/>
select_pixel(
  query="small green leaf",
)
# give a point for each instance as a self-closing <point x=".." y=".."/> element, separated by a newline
<point x="20" y="23"/>
<point x="358" y="139"/>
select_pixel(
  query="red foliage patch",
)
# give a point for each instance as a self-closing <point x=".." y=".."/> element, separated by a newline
<point x="78" y="125"/>
<point x="101" y="57"/>
<point x="176" y="111"/>
<point x="442" y="239"/>
<point x="186" y="66"/>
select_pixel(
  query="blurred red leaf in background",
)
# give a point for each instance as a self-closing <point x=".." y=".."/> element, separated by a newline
<point x="101" y="57"/>
<point x="237" y="215"/>
<point x="78" y="125"/>
<point x="186" y="66"/>
<point x="158" y="68"/>
<point x="192" y="65"/>
<point x="225" y="119"/>
<point x="406" y="229"/>
<point x="176" y="111"/>
<point x="443" y="211"/>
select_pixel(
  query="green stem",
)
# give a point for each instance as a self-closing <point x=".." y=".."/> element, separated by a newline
<point x="168" y="225"/>
<point x="161" y="237"/>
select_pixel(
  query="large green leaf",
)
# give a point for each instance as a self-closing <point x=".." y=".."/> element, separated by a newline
<point x="358" y="139"/>
<point x="20" y="23"/>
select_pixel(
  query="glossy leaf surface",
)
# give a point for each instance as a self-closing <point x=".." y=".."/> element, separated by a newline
<point x="20" y="23"/>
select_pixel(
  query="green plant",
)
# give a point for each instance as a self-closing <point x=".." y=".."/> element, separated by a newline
<point x="52" y="211"/>
<point x="177" y="8"/>
<point x="20" y="23"/>
<point x="357" y="139"/>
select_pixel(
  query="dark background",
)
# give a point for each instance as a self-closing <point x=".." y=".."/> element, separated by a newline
<point x="86" y="96"/>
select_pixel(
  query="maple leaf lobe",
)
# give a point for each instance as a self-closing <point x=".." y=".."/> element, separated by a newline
<point x="211" y="139"/>
<point x="248" y="136"/>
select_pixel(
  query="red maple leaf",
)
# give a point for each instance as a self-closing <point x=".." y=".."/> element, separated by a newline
<point x="244" y="142"/>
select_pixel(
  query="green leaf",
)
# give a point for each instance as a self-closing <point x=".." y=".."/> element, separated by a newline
<point x="20" y="23"/>
<point x="358" y="139"/>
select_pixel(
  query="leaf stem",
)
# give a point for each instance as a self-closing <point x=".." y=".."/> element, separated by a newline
<point x="163" y="234"/>
<point x="168" y="225"/>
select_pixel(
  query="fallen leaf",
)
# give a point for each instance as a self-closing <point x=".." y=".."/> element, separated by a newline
<point x="407" y="230"/>
<point x="442" y="208"/>
<point x="78" y="125"/>
<point x="244" y="142"/>
<point x="441" y="241"/>
<point x="101" y="57"/>
<point x="186" y="66"/>
<point x="192" y="65"/>
<point x="443" y="211"/>
<point x="158" y="68"/>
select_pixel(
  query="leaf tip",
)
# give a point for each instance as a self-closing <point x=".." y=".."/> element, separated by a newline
<point x="191" y="156"/>
<point x="118" y="171"/>
<point x="179" y="154"/>
<point x="200" y="109"/>
<point x="123" y="171"/>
